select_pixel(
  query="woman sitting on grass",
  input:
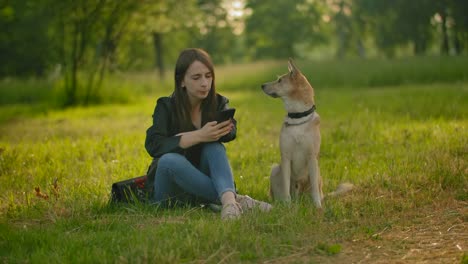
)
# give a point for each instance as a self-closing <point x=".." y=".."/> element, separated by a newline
<point x="191" y="162"/>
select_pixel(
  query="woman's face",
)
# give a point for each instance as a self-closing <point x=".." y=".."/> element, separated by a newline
<point x="197" y="80"/>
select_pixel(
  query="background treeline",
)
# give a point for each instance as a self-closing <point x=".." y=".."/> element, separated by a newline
<point x="80" y="40"/>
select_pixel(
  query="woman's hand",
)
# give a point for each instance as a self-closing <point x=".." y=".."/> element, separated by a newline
<point x="211" y="131"/>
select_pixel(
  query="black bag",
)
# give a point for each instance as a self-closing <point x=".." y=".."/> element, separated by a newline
<point x="139" y="189"/>
<point x="130" y="191"/>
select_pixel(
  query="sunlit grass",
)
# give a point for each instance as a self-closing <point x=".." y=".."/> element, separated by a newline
<point x="402" y="146"/>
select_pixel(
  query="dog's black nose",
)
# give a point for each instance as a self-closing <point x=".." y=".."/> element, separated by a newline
<point x="263" y="86"/>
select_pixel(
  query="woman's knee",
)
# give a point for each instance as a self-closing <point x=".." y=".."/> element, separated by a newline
<point x="213" y="147"/>
<point x="169" y="160"/>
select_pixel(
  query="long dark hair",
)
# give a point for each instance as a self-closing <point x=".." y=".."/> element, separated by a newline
<point x="182" y="103"/>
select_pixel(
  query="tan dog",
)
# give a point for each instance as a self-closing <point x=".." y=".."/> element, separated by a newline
<point x="299" y="140"/>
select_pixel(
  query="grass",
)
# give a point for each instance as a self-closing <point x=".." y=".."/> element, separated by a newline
<point x="404" y="146"/>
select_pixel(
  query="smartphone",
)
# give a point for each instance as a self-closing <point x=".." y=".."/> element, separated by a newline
<point x="225" y="114"/>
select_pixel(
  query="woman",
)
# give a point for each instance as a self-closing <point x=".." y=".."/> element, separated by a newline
<point x="186" y="144"/>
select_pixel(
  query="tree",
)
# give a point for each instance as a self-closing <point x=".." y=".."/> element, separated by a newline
<point x="274" y="29"/>
<point x="347" y="26"/>
<point x="88" y="32"/>
<point x="214" y="31"/>
<point x="24" y="42"/>
<point x="157" y="18"/>
<point x="397" y="23"/>
<point x="456" y="11"/>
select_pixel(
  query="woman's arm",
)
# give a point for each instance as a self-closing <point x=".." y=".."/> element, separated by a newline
<point x="159" y="140"/>
<point x="211" y="131"/>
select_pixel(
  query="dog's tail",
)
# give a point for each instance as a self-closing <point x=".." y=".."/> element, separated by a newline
<point x="342" y="189"/>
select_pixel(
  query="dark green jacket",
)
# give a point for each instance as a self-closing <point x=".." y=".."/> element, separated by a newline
<point x="161" y="135"/>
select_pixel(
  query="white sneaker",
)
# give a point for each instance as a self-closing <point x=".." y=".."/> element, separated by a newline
<point x="248" y="203"/>
<point x="231" y="211"/>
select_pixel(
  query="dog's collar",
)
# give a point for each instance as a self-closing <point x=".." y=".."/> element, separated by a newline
<point x="296" y="119"/>
<point x="301" y="114"/>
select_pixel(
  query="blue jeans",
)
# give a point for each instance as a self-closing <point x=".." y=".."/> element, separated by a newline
<point x="178" y="181"/>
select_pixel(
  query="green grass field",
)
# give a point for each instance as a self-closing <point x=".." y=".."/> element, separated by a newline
<point x="398" y="131"/>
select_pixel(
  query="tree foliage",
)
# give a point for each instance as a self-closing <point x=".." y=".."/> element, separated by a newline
<point x="87" y="38"/>
<point x="274" y="29"/>
<point x="87" y="33"/>
<point x="24" y="42"/>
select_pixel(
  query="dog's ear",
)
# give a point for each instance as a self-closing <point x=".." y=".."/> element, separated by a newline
<point x="293" y="70"/>
<point x="290" y="66"/>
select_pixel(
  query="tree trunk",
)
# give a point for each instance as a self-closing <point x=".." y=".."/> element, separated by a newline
<point x="341" y="32"/>
<point x="340" y="53"/>
<point x="361" y="49"/>
<point x="72" y="86"/>
<point x="444" y="49"/>
<point x="456" y="42"/>
<point x="420" y="45"/>
<point x="157" y="42"/>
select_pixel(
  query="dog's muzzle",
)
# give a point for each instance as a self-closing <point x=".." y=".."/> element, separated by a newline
<point x="274" y="95"/>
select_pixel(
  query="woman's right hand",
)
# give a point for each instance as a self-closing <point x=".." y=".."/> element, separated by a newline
<point x="213" y="131"/>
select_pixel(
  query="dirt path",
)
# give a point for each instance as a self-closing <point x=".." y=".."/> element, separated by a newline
<point x="437" y="234"/>
<point x="434" y="234"/>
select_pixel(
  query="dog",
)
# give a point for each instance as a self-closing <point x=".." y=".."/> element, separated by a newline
<point x="298" y="172"/>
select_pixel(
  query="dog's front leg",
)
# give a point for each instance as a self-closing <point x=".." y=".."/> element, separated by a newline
<point x="315" y="182"/>
<point x="279" y="185"/>
<point x="284" y="181"/>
